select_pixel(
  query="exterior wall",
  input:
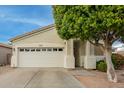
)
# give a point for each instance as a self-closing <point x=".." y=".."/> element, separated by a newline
<point x="69" y="61"/>
<point x="82" y="52"/>
<point x="98" y="51"/>
<point x="92" y="56"/>
<point x="5" y="55"/>
<point x="88" y="54"/>
<point x="44" y="39"/>
<point x="48" y="36"/>
<point x="14" y="59"/>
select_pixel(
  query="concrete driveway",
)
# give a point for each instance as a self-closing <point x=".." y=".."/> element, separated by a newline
<point x="38" y="78"/>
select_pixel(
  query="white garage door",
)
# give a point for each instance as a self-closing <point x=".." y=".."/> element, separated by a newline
<point x="41" y="57"/>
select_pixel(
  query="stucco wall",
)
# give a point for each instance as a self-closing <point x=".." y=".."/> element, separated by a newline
<point x="98" y="51"/>
<point x="3" y="55"/>
<point x="48" y="36"/>
<point x="82" y="48"/>
<point x="69" y="45"/>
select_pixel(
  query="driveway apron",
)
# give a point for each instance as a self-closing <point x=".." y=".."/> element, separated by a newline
<point x="39" y="78"/>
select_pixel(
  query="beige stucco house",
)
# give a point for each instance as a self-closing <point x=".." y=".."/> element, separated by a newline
<point x="5" y="54"/>
<point x="44" y="48"/>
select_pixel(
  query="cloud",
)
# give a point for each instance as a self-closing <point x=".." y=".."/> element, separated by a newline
<point x="25" y="20"/>
<point x="117" y="44"/>
<point x="35" y="21"/>
<point x="15" y="20"/>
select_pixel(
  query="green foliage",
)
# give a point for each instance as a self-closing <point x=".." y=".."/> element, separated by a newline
<point x="89" y="22"/>
<point x="118" y="61"/>
<point x="101" y="66"/>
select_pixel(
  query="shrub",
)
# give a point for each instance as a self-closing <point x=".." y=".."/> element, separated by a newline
<point x="117" y="59"/>
<point x="101" y="66"/>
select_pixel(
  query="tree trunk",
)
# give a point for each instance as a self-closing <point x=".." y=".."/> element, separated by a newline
<point x="110" y="68"/>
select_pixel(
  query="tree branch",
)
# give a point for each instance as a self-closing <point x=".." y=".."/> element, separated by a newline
<point x="113" y="36"/>
<point x="97" y="44"/>
<point x="114" y="40"/>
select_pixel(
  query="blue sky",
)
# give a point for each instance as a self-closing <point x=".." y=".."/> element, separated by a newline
<point x="16" y="20"/>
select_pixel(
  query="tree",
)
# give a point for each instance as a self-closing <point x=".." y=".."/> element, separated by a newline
<point x="94" y="23"/>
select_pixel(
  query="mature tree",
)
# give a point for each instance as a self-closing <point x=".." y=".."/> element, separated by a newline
<point x="92" y="23"/>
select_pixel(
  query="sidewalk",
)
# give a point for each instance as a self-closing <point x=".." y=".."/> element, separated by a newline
<point x="97" y="79"/>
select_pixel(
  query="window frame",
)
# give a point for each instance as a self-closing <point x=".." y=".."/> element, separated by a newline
<point x="21" y="49"/>
<point x="55" y="49"/>
<point x="37" y="49"/>
<point x="33" y="50"/>
<point x="27" y="49"/>
<point x="49" y="49"/>
<point x="44" y="49"/>
<point x="60" y="49"/>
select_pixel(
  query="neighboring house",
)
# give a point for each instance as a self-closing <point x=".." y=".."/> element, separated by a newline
<point x="5" y="54"/>
<point x="44" y="48"/>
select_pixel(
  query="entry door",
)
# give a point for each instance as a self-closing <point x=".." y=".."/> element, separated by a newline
<point x="76" y="53"/>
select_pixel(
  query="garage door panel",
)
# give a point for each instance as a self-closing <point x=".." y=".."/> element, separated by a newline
<point x="41" y="58"/>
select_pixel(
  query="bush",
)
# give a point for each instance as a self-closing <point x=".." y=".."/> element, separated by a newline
<point x="118" y="62"/>
<point x="101" y="66"/>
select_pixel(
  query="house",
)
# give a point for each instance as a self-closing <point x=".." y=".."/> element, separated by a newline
<point x="44" y="48"/>
<point x="5" y="54"/>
